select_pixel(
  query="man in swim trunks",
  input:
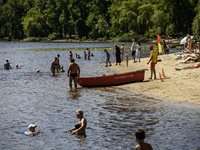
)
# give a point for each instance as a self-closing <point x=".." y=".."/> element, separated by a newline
<point x="153" y="60"/>
<point x="73" y="72"/>
<point x="7" y="64"/>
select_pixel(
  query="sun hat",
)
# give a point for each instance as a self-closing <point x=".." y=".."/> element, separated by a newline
<point x="151" y="46"/>
<point x="32" y="126"/>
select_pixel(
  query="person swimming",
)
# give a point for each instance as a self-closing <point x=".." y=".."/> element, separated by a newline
<point x="31" y="131"/>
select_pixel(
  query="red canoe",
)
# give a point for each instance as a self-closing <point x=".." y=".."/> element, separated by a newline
<point x="110" y="80"/>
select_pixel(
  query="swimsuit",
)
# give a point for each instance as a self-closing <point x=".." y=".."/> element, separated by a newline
<point x="26" y="133"/>
<point x="77" y="126"/>
<point x="74" y="75"/>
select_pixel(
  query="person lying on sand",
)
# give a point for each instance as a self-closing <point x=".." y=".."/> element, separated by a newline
<point x="197" y="65"/>
<point x="189" y="58"/>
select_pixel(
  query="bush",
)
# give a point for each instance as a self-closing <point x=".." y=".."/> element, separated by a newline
<point x="53" y="36"/>
<point x="84" y="38"/>
<point x="127" y="37"/>
<point x="31" y="39"/>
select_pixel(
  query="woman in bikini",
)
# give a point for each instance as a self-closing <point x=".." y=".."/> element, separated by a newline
<point x="55" y="65"/>
<point x="80" y="127"/>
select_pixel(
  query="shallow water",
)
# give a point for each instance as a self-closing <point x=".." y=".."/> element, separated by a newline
<point x="113" y="114"/>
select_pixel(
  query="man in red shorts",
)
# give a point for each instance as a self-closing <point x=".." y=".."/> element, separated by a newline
<point x="153" y="60"/>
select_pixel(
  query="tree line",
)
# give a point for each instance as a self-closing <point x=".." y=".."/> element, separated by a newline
<point x="93" y="19"/>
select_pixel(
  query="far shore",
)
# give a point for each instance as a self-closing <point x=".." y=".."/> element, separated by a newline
<point x="178" y="86"/>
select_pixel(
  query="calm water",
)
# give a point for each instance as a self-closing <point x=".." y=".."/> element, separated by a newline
<point x="113" y="114"/>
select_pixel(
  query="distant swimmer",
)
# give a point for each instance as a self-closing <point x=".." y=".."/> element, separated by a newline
<point x="70" y="55"/>
<point x="78" y="56"/>
<point x="37" y="71"/>
<point x="92" y="55"/>
<point x="80" y="127"/>
<point x="73" y="72"/>
<point x="54" y="65"/>
<point x="31" y="131"/>
<point x="7" y="64"/>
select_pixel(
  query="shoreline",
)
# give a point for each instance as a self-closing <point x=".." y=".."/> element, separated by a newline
<point x="178" y="86"/>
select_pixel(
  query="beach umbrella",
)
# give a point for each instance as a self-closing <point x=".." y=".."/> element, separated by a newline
<point x="183" y="41"/>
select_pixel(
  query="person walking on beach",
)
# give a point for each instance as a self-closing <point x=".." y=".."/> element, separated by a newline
<point x="7" y="64"/>
<point x="107" y="58"/>
<point x="139" y="138"/>
<point x="133" y="49"/>
<point x="117" y="54"/>
<point x="122" y="51"/>
<point x="167" y="48"/>
<point x="73" y="72"/>
<point x="153" y="60"/>
<point x="138" y="50"/>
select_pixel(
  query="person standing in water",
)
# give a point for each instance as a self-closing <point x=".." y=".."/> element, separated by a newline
<point x="88" y="53"/>
<point x="73" y="72"/>
<point x="7" y="64"/>
<point x="139" y="138"/>
<point x="107" y="58"/>
<point x="54" y="65"/>
<point x="80" y="127"/>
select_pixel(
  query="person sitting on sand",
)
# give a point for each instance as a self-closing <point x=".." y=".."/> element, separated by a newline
<point x="31" y="131"/>
<point x="54" y="65"/>
<point x="197" y="65"/>
<point x="61" y="69"/>
<point x="7" y="64"/>
<point x="139" y="138"/>
<point x="80" y="127"/>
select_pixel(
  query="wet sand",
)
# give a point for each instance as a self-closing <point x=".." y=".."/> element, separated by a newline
<point x="178" y="86"/>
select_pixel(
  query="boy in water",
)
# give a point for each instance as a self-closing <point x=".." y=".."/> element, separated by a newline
<point x="31" y="131"/>
<point x="139" y="138"/>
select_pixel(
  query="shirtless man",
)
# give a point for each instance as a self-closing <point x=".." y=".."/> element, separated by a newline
<point x="7" y="64"/>
<point x="73" y="72"/>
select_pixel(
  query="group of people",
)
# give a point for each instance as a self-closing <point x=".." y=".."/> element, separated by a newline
<point x="80" y="130"/>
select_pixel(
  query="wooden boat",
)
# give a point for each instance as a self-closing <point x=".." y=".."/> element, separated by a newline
<point x="110" y="80"/>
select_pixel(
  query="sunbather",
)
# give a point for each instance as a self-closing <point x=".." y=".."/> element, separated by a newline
<point x="197" y="65"/>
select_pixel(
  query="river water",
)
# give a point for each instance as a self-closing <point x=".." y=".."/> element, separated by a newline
<point x="113" y="114"/>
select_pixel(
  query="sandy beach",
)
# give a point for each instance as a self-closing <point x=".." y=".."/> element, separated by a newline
<point x="178" y="86"/>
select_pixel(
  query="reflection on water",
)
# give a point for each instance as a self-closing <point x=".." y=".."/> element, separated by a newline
<point x="113" y="114"/>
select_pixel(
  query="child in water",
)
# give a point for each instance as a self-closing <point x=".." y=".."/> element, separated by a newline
<point x="139" y="138"/>
<point x="126" y="60"/>
<point x="31" y="131"/>
<point x="61" y="69"/>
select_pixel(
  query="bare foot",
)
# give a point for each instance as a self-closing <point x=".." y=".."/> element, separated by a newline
<point x="150" y="78"/>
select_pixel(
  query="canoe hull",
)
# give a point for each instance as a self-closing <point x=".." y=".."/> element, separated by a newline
<point x="110" y="80"/>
